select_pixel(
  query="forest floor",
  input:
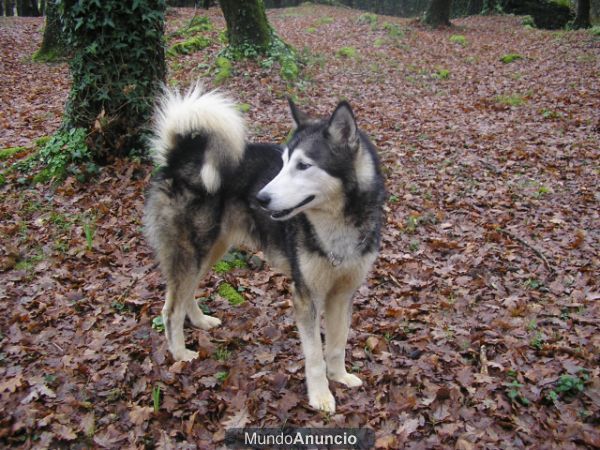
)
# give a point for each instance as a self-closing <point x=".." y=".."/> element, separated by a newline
<point x="478" y="327"/>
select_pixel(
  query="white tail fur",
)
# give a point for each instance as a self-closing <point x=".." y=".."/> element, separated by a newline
<point x="196" y="112"/>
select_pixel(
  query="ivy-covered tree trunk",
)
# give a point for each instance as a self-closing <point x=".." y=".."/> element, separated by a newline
<point x="53" y="43"/>
<point x="438" y="13"/>
<point x="247" y="23"/>
<point x="582" y="18"/>
<point x="117" y="68"/>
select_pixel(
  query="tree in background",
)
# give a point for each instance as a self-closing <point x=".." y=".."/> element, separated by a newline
<point x="247" y="24"/>
<point x="27" y="8"/>
<point x="582" y="18"/>
<point x="438" y="13"/>
<point x="53" y="43"/>
<point x="117" y="68"/>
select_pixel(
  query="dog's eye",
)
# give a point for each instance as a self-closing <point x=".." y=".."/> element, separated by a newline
<point x="302" y="166"/>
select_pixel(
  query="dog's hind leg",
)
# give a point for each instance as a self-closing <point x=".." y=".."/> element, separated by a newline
<point x="194" y="313"/>
<point x="180" y="293"/>
<point x="307" y="319"/>
<point x="338" y="314"/>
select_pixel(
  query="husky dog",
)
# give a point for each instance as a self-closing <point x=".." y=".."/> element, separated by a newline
<point x="313" y="206"/>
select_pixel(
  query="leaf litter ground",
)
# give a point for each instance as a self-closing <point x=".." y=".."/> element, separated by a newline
<point x="478" y="326"/>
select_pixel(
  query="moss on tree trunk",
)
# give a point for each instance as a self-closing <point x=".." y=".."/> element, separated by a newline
<point x="247" y="23"/>
<point x="438" y="13"/>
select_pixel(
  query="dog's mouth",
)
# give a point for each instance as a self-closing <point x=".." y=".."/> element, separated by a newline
<point x="278" y="215"/>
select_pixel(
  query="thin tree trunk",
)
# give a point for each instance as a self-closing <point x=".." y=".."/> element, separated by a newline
<point x="438" y="13"/>
<point x="475" y="7"/>
<point x="53" y="45"/>
<point x="9" y="7"/>
<point x="582" y="19"/>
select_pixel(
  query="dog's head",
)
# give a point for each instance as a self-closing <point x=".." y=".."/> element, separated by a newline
<point x="322" y="158"/>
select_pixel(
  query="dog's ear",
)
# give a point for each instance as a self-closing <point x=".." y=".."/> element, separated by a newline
<point x="298" y="116"/>
<point x="342" y="126"/>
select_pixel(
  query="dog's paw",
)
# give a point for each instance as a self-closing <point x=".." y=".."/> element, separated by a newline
<point x="348" y="379"/>
<point x="206" y="322"/>
<point x="184" y="355"/>
<point x="323" y="401"/>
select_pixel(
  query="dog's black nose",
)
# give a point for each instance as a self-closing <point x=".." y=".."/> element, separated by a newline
<point x="263" y="199"/>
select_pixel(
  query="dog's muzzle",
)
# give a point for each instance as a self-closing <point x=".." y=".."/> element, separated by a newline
<point x="264" y="200"/>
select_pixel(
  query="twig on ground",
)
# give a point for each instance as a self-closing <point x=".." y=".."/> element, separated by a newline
<point x="538" y="252"/>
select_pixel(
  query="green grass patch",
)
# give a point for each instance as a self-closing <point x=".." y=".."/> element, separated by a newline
<point x="528" y="22"/>
<point x="231" y="261"/>
<point x="197" y="24"/>
<point x="458" y="39"/>
<point x="393" y="30"/>
<point x="347" y="52"/>
<point x="324" y="21"/>
<point x="510" y="100"/>
<point x="442" y="74"/>
<point x="510" y="57"/>
<point x="9" y="152"/>
<point x="595" y="30"/>
<point x="311" y="30"/>
<point x="188" y="46"/>
<point x="228" y="292"/>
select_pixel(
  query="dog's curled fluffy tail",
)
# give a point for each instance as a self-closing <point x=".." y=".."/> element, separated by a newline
<point x="198" y="136"/>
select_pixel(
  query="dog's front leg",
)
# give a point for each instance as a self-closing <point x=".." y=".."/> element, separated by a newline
<point x="307" y="319"/>
<point x="338" y="315"/>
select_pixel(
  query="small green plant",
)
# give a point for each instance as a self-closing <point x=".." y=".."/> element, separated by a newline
<point x="347" y="52"/>
<point x="568" y="386"/>
<point x="458" y="39"/>
<point x="243" y="107"/>
<point x="442" y="74"/>
<point x="228" y="292"/>
<point x="223" y="69"/>
<point x="513" y="391"/>
<point x="595" y="30"/>
<point x="533" y="283"/>
<point x="510" y="100"/>
<point x="89" y="229"/>
<point x="158" y="324"/>
<point x="311" y="30"/>
<point x="289" y="69"/>
<point x="537" y="342"/>
<point x="232" y="260"/>
<point x="528" y="22"/>
<point x="64" y="153"/>
<point x="549" y="114"/>
<point x="156" y="398"/>
<point x="510" y="57"/>
<point x="368" y="18"/>
<point x="379" y="42"/>
<point x="393" y="199"/>
<point x="412" y="222"/>
<point x="543" y="190"/>
<point x="393" y="30"/>
<point x="413" y="246"/>
<point x="222" y="354"/>
<point x="221" y="376"/>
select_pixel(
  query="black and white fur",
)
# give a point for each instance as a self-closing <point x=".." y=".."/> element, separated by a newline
<point x="314" y="207"/>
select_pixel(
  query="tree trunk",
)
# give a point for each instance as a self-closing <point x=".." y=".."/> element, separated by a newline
<point x="582" y="19"/>
<point x="53" y="45"/>
<point x="9" y="7"/>
<point x="247" y="23"/>
<point x="113" y="87"/>
<point x="27" y="8"/>
<point x="1" y="8"/>
<point x="438" y="13"/>
<point x="475" y="7"/>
